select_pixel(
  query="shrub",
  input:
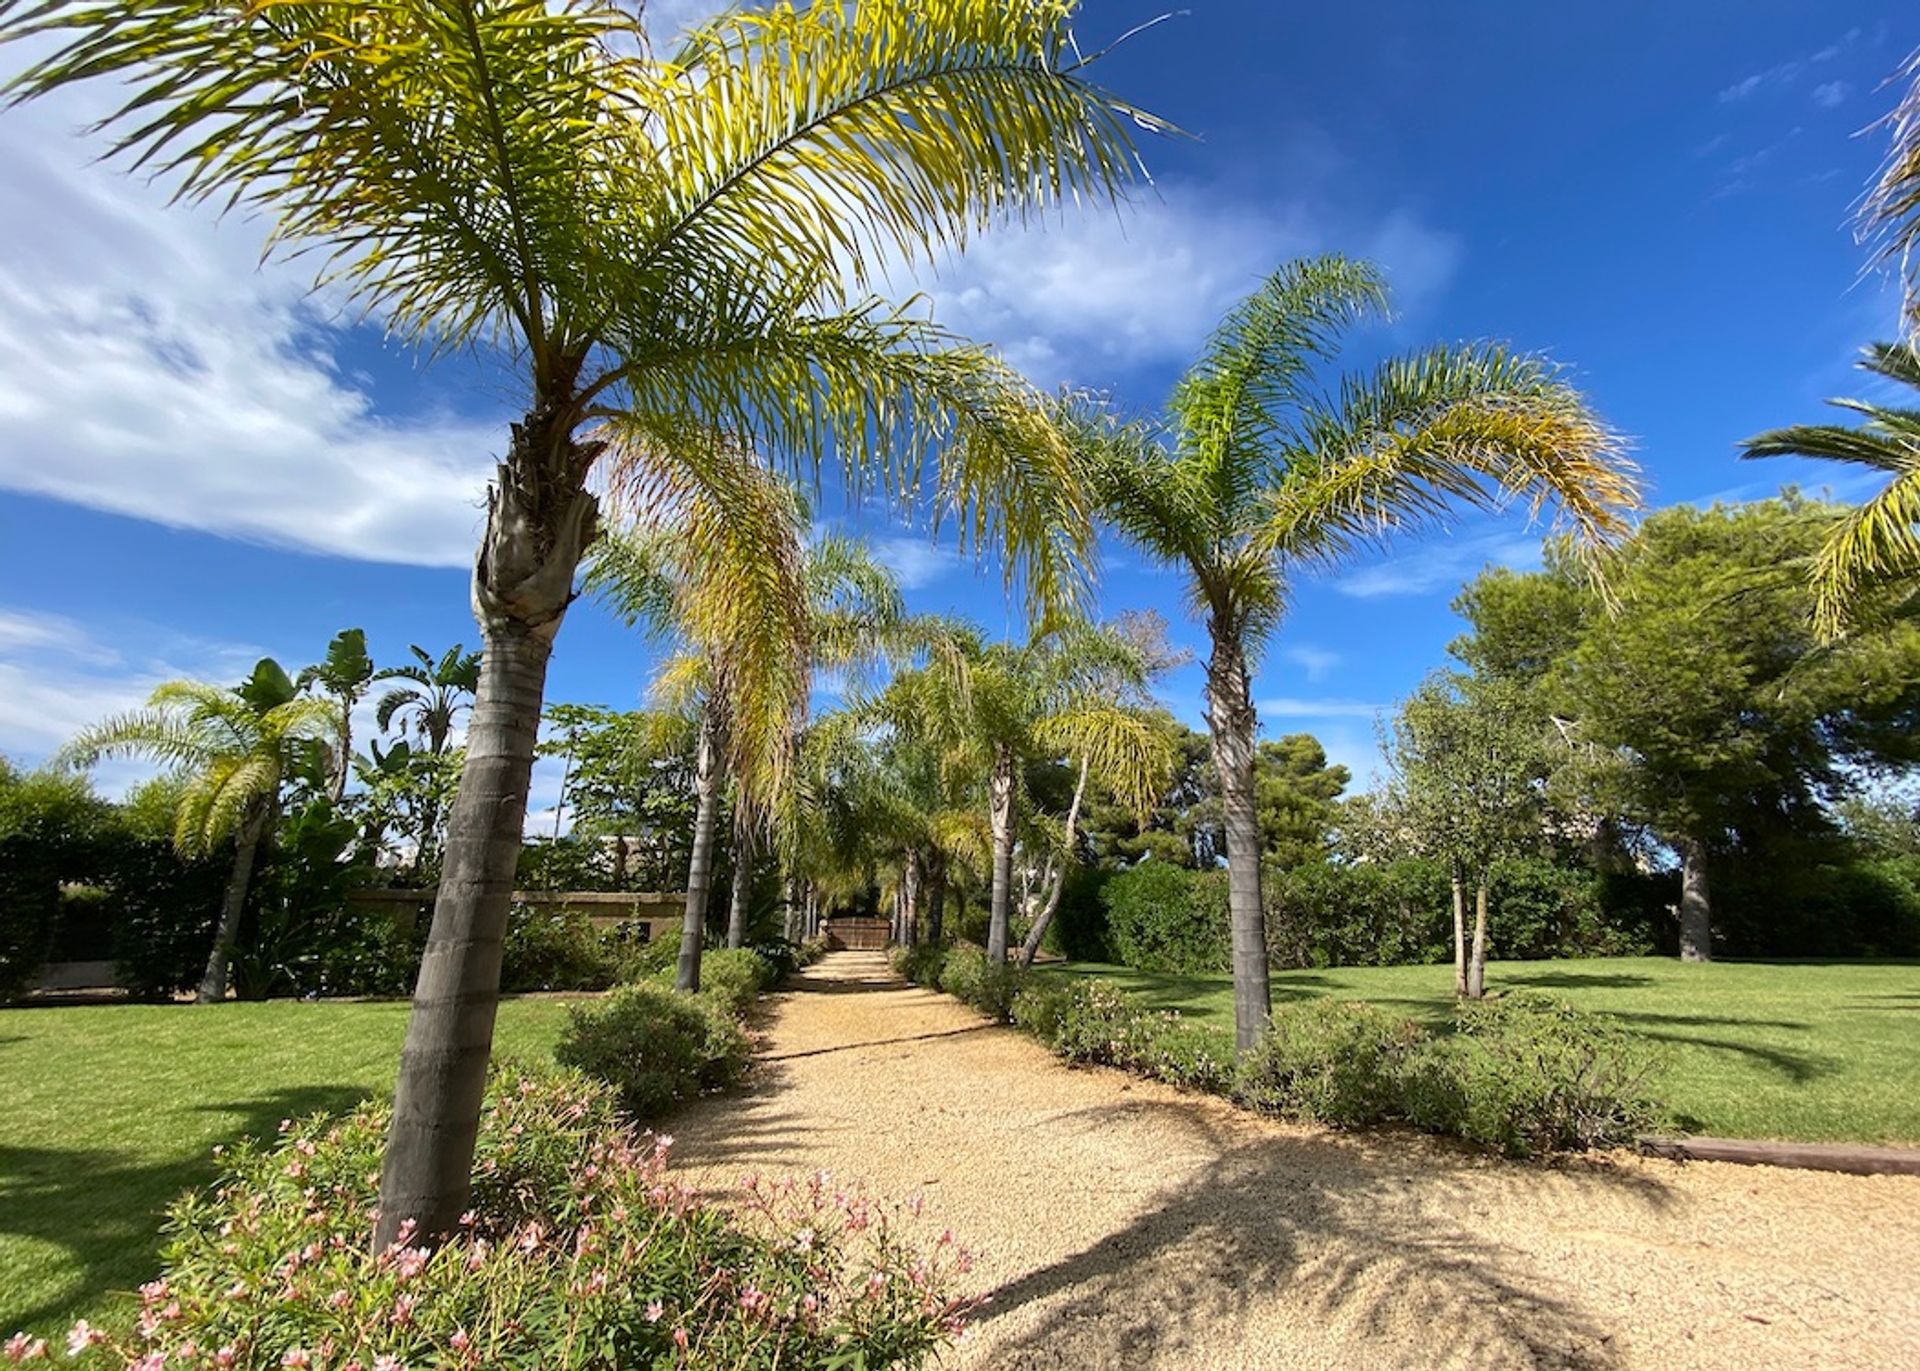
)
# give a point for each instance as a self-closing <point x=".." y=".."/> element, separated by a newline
<point x="553" y="949"/>
<point x="967" y="975"/>
<point x="734" y="977"/>
<point x="811" y="950"/>
<point x="1162" y="917"/>
<point x="780" y="954"/>
<point x="1529" y="1074"/>
<point x="654" y="1046"/>
<point x="580" y="1252"/>
<point x="633" y="957"/>
<point x="1358" y="914"/>
<point x="1095" y="1021"/>
<point x="919" y="963"/>
<point x="1329" y="1062"/>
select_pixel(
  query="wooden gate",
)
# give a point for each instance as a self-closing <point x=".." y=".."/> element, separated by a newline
<point x="857" y="935"/>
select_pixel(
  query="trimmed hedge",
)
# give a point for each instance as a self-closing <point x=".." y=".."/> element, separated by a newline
<point x="1162" y="917"/>
<point x="655" y="1046"/>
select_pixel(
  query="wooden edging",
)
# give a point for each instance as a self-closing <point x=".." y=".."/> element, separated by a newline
<point x="1848" y="1157"/>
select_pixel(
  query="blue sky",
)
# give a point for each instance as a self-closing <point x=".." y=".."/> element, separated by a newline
<point x="198" y="465"/>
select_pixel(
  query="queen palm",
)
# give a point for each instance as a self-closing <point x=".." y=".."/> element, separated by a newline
<point x="1256" y="472"/>
<point x="231" y="749"/>
<point x="1890" y="213"/>
<point x="1872" y="554"/>
<point x="680" y="248"/>
<point x="343" y="676"/>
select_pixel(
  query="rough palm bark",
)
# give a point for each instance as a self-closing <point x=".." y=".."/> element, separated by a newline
<point x="742" y="892"/>
<point x="1459" y="936"/>
<point x="910" y="882"/>
<point x="1477" y="965"/>
<point x="233" y="903"/>
<point x="539" y="520"/>
<point x="936" y="898"/>
<point x="1231" y="719"/>
<point x="1058" y="885"/>
<point x="1696" y="908"/>
<point x="1000" y="815"/>
<point x="706" y="787"/>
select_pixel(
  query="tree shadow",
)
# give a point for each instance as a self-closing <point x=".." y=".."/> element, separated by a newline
<point x="877" y="1042"/>
<point x="1798" y="1067"/>
<point x="1575" y="980"/>
<point x="1363" y="1241"/>
<point x="104" y="1207"/>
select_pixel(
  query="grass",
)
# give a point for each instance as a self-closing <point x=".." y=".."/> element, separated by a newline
<point x="1811" y="1051"/>
<point x="111" y="1111"/>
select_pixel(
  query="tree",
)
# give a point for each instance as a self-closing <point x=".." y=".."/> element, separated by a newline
<point x="629" y="782"/>
<point x="343" y="676"/>
<point x="676" y="258"/>
<point x="1296" y="794"/>
<point x="1871" y="556"/>
<point x="1471" y="758"/>
<point x="233" y="749"/>
<point x="437" y="692"/>
<point x="1255" y="474"/>
<point x="1702" y="711"/>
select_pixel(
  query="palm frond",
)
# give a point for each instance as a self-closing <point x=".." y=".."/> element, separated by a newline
<point x="1890" y="214"/>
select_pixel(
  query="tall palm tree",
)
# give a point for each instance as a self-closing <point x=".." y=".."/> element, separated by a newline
<point x="1873" y="551"/>
<point x="675" y="254"/>
<point x="438" y="690"/>
<point x="342" y="675"/>
<point x="1257" y="472"/>
<point x="231" y="748"/>
<point x="1891" y="211"/>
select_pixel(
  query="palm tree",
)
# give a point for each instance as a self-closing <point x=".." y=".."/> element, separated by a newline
<point x="437" y="690"/>
<point x="1060" y="693"/>
<point x="752" y="609"/>
<point x="1891" y="210"/>
<point x="676" y="255"/>
<point x="343" y="675"/>
<point x="1257" y="473"/>
<point x="1873" y="551"/>
<point x="231" y="750"/>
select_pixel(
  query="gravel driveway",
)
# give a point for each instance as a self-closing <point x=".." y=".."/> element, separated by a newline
<point x="1119" y="1223"/>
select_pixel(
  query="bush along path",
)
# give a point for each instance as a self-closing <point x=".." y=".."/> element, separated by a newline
<point x="1120" y="1221"/>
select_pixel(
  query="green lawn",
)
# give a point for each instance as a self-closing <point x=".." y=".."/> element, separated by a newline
<point x="1815" y="1051"/>
<point x="110" y="1111"/>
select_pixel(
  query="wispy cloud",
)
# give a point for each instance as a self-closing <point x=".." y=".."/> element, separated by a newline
<point x="1831" y="94"/>
<point x="1440" y="566"/>
<point x="1297" y="707"/>
<point x="1317" y="662"/>
<point x="916" y="562"/>
<point x="1783" y="75"/>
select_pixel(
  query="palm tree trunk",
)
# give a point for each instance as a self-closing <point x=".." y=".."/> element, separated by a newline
<point x="1031" y="948"/>
<point x="936" y="899"/>
<point x="706" y="785"/>
<point x="539" y="521"/>
<point x="233" y="903"/>
<point x="910" y="898"/>
<point x="1696" y="908"/>
<point x="344" y="762"/>
<point x="1000" y="816"/>
<point x="742" y="891"/>
<point x="1477" y="967"/>
<point x="1232" y="721"/>
<point x="1459" y="935"/>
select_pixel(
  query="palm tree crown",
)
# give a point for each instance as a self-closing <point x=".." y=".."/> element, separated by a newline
<point x="1874" y="547"/>
<point x="438" y="690"/>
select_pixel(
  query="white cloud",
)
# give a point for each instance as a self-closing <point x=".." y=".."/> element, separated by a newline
<point x="150" y="367"/>
<point x="916" y="562"/>
<point x="1317" y="662"/>
<point x="1072" y="298"/>
<point x="1443" y="565"/>
<point x="1294" y="707"/>
<point x="1831" y="94"/>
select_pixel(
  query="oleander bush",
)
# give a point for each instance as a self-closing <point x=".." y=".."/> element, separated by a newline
<point x="656" y="1047"/>
<point x="1528" y="1074"/>
<point x="1095" y="1021"/>
<point x="919" y="963"/>
<point x="579" y="1252"/>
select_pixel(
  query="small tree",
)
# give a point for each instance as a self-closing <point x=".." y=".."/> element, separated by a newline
<point x="342" y="676"/>
<point x="1470" y="760"/>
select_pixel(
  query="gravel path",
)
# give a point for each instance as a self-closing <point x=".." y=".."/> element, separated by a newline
<point x="1122" y="1224"/>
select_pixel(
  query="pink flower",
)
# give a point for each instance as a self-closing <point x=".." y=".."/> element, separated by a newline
<point x="403" y="1310"/>
<point x="459" y="1342"/>
<point x="82" y="1336"/>
<point x="226" y="1356"/>
<point x="339" y="1299"/>
<point x="20" y="1347"/>
<point x="153" y="1361"/>
<point x="654" y="1311"/>
<point x="153" y="1292"/>
<point x="296" y="1356"/>
<point x="680" y="1338"/>
<point x="411" y="1262"/>
<point x="388" y="1362"/>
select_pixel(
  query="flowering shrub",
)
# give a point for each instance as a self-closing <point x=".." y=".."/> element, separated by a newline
<point x="1528" y="1074"/>
<point x="966" y="974"/>
<point x="1329" y="1062"/>
<point x="655" y="1046"/>
<point x="579" y="1253"/>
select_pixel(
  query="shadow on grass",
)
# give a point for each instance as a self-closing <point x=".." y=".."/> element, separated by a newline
<point x="1361" y="1241"/>
<point x="1574" y="980"/>
<point x="104" y="1208"/>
